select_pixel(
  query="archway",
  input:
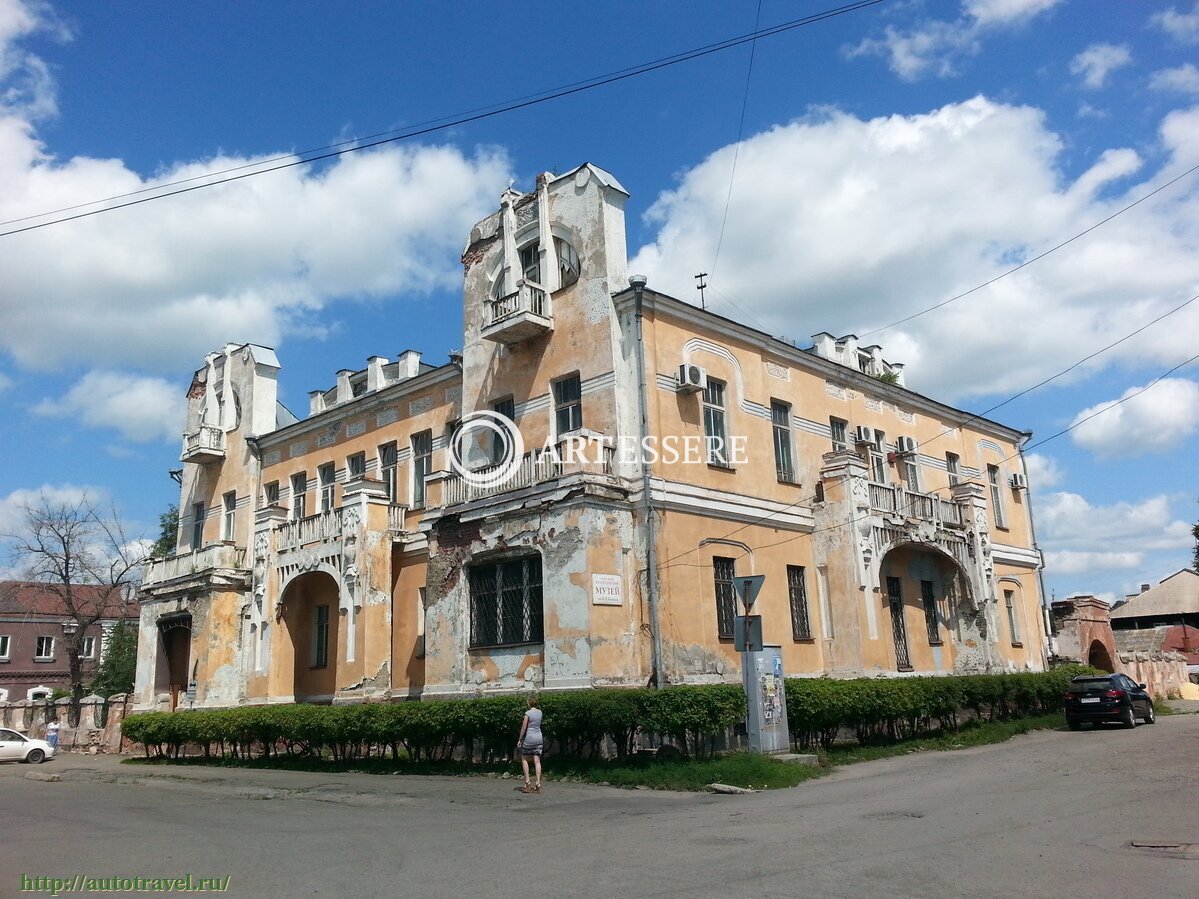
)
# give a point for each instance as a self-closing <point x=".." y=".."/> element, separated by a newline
<point x="311" y="620"/>
<point x="1099" y="657"/>
<point x="922" y="591"/>
<point x="174" y="656"/>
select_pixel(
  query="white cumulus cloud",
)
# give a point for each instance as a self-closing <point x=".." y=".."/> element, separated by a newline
<point x="1157" y="420"/>
<point x="12" y="506"/>
<point x="1183" y="79"/>
<point x="1043" y="471"/>
<point x="140" y="408"/>
<point x="1182" y="26"/>
<point x="1069" y="523"/>
<point x="1073" y="562"/>
<point x="1098" y="61"/>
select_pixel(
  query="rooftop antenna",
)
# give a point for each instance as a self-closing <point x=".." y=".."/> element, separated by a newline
<point x="700" y="287"/>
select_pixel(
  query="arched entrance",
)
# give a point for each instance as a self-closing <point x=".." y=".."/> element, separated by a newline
<point x="1099" y="657"/>
<point x="311" y="621"/>
<point x="174" y="656"/>
<point x="921" y="588"/>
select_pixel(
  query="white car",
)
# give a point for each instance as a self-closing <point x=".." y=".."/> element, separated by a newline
<point x="15" y="747"/>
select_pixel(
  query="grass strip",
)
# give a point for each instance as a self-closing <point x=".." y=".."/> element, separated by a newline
<point x="970" y="734"/>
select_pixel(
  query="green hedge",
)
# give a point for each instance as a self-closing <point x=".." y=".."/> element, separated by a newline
<point x="874" y="709"/>
<point x="481" y="730"/>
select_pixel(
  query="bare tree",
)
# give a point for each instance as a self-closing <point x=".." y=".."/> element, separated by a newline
<point x="85" y="559"/>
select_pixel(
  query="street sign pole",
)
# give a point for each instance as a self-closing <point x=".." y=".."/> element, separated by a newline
<point x="747" y="588"/>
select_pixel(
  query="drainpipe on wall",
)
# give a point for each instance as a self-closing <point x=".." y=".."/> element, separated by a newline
<point x="1032" y="530"/>
<point x="637" y="282"/>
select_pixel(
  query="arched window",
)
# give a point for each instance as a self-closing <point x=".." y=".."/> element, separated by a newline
<point x="568" y="262"/>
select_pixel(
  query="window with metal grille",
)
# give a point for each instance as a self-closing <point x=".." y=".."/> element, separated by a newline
<point x="197" y="525"/>
<point x="320" y="636"/>
<point x="388" y="460"/>
<point x="993" y="478"/>
<point x="568" y="404"/>
<point x="422" y="465"/>
<point x="797" y="593"/>
<point x="780" y="415"/>
<point x="839" y="430"/>
<point x="356" y="466"/>
<point x="230" y="517"/>
<point x="929" y="598"/>
<point x="723" y="572"/>
<point x="327" y="474"/>
<point x="1013" y="622"/>
<point x="505" y="602"/>
<point x="299" y="495"/>
<point x="716" y="437"/>
<point x="953" y="465"/>
<point x="507" y="408"/>
<point x="44" y="648"/>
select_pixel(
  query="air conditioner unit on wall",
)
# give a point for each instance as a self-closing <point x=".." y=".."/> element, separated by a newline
<point x="692" y="378"/>
<point x="905" y="446"/>
<point x="1018" y="482"/>
<point x="863" y="434"/>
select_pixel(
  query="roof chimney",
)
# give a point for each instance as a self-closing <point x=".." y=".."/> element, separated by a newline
<point x="1144" y="587"/>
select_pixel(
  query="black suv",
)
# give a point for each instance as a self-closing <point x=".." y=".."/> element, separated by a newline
<point x="1109" y="697"/>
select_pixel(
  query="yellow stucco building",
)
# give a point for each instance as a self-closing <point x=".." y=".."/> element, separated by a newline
<point x="388" y="546"/>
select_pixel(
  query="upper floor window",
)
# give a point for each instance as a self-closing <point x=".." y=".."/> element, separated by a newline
<point x="507" y="408"/>
<point x="568" y="404"/>
<point x="797" y="594"/>
<point x="911" y="473"/>
<point x="356" y="466"/>
<point x="953" y="465"/>
<point x="994" y="480"/>
<point x="1013" y="620"/>
<point x="568" y="263"/>
<point x="780" y="415"/>
<point x="530" y="262"/>
<point x="327" y="475"/>
<point x="44" y="648"/>
<point x="839" y="430"/>
<point x="715" y="434"/>
<point x="505" y="602"/>
<point x="422" y="465"/>
<point x="723" y="572"/>
<point x="270" y="493"/>
<point x="229" y="518"/>
<point x="388" y="460"/>
<point x="197" y="525"/>
<point x="5" y="642"/>
<point x="88" y="649"/>
<point x="878" y="461"/>
<point x="299" y="495"/>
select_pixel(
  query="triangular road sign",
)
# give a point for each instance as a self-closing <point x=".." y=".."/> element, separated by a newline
<point x="747" y="588"/>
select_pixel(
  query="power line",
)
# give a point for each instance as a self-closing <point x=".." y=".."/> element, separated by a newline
<point x="1036" y="258"/>
<point x="337" y="150"/>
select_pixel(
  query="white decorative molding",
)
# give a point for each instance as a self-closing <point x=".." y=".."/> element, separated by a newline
<point x="297" y="449"/>
<point x="272" y="457"/>
<point x="834" y="390"/>
<point x="778" y="371"/>
<point x="355" y="428"/>
<point x="422" y="405"/>
<point x="387" y="416"/>
<point x="874" y="405"/>
<point x="903" y="416"/>
<point x="453" y="394"/>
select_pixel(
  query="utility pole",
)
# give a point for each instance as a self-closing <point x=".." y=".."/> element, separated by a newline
<point x="700" y="287"/>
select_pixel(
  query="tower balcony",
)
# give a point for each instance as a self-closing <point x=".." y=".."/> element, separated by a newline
<point x="525" y="313"/>
<point x="206" y="444"/>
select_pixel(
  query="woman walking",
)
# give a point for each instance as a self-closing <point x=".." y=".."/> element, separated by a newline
<point x="531" y="744"/>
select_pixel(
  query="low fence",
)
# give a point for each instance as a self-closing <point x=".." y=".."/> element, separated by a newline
<point x="1162" y="673"/>
<point x="97" y="730"/>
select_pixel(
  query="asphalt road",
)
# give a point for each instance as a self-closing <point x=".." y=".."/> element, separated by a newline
<point x="1048" y="814"/>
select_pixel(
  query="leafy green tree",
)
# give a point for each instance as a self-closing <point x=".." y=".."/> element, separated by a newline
<point x="168" y="534"/>
<point x="119" y="667"/>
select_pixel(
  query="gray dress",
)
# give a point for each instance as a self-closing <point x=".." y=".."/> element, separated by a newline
<point x="533" y="742"/>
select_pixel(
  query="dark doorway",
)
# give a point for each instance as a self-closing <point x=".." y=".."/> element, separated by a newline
<point x="174" y="655"/>
<point x="1099" y="657"/>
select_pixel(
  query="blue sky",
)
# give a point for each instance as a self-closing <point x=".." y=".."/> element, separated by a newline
<point x="891" y="158"/>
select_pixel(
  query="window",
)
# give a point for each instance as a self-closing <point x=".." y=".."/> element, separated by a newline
<point x="320" y="636"/>
<point x="453" y="451"/>
<point x="388" y="459"/>
<point x="422" y="465"/>
<point x="1009" y="601"/>
<point x="88" y="650"/>
<point x="797" y="593"/>
<point x="229" y="518"/>
<point x="507" y="408"/>
<point x="930" y="612"/>
<point x="911" y="474"/>
<point x="826" y="610"/>
<point x="878" y="461"/>
<point x="840" y="433"/>
<point x="714" y="430"/>
<point x="197" y="525"/>
<point x="270" y="494"/>
<point x="299" y="495"/>
<point x="953" y="465"/>
<point x="530" y="262"/>
<point x="327" y="476"/>
<point x="505" y="602"/>
<point x="45" y="648"/>
<point x="996" y="496"/>
<point x="723" y="572"/>
<point x="568" y="263"/>
<point x="780" y="415"/>
<point x="5" y="642"/>
<point x="568" y="404"/>
<point x="356" y="466"/>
